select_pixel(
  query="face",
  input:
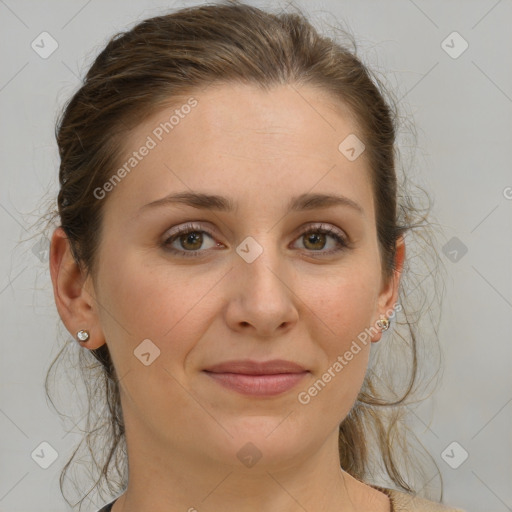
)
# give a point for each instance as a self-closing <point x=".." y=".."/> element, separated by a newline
<point x="185" y="285"/>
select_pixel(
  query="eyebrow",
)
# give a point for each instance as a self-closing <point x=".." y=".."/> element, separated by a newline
<point x="203" y="201"/>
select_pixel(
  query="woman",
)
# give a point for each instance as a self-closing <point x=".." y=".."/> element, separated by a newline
<point x="229" y="249"/>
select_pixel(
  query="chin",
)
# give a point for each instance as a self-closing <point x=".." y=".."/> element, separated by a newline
<point x="261" y="443"/>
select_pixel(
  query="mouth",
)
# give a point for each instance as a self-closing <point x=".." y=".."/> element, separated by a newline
<point x="255" y="378"/>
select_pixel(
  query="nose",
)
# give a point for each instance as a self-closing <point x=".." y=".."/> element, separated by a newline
<point x="261" y="297"/>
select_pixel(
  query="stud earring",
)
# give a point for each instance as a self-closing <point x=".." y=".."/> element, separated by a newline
<point x="383" y="323"/>
<point x="82" y="335"/>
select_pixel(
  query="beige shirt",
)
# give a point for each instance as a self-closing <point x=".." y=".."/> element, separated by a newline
<point x="404" y="502"/>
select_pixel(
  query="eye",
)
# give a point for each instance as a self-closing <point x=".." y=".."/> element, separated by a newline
<point x="316" y="238"/>
<point x="190" y="239"/>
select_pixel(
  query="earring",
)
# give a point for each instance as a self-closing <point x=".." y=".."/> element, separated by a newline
<point x="82" y="335"/>
<point x="383" y="323"/>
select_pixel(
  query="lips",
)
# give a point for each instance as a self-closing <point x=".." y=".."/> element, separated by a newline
<point x="255" y="378"/>
<point x="248" y="367"/>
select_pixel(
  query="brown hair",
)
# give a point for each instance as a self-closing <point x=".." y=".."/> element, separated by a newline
<point x="167" y="57"/>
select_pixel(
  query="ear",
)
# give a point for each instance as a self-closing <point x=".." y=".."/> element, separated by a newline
<point x="76" y="306"/>
<point x="389" y="293"/>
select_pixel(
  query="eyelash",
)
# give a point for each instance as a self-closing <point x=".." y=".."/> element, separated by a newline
<point x="342" y="242"/>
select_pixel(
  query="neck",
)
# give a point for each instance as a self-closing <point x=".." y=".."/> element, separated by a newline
<point x="177" y="480"/>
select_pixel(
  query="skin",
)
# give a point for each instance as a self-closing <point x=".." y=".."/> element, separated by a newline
<point x="183" y="430"/>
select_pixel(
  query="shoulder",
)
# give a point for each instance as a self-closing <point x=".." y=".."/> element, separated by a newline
<point x="404" y="502"/>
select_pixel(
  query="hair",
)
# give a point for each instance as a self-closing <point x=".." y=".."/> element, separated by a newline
<point x="168" y="57"/>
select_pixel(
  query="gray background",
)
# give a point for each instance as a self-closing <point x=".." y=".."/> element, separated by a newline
<point x="462" y="110"/>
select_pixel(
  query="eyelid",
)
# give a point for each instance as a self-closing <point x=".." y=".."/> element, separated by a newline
<point x="322" y="226"/>
<point x="195" y="225"/>
<point x="187" y="226"/>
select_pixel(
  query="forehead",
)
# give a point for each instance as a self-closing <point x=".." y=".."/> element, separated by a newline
<point x="267" y="122"/>
<point x="242" y="139"/>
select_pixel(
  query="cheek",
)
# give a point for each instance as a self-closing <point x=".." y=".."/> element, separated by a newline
<point x="343" y="308"/>
<point x="157" y="302"/>
<point x="343" y="305"/>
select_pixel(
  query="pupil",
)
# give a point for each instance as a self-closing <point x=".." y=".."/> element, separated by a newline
<point x="193" y="238"/>
<point x="315" y="238"/>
